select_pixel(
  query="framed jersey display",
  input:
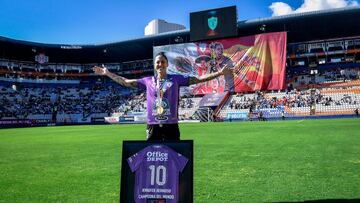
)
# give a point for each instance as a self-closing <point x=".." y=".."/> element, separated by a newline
<point x="157" y="172"/>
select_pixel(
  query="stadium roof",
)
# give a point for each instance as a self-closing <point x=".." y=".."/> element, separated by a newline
<point x="318" y="25"/>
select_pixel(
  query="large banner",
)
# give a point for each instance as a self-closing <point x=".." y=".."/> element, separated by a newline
<point x="258" y="62"/>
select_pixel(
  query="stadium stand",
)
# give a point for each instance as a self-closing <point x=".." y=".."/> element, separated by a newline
<point x="187" y="108"/>
<point x="323" y="76"/>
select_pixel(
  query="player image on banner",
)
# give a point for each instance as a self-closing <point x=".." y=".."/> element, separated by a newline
<point x="157" y="168"/>
<point x="258" y="62"/>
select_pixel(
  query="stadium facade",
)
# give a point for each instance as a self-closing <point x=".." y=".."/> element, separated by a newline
<point x="322" y="60"/>
<point x="158" y="26"/>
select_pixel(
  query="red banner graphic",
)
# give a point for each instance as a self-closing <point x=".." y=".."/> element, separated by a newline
<point x="258" y="62"/>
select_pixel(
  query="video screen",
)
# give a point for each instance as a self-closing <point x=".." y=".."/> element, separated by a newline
<point x="212" y="24"/>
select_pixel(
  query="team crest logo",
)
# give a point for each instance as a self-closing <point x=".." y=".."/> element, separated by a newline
<point x="212" y="22"/>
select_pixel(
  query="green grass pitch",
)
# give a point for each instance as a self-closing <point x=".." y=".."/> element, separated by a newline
<point x="234" y="162"/>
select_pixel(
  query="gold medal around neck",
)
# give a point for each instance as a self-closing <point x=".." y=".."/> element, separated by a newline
<point x="159" y="110"/>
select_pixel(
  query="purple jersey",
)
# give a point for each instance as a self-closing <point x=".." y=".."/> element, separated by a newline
<point x="157" y="169"/>
<point x="170" y="98"/>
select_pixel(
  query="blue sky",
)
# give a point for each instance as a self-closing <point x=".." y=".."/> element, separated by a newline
<point x="102" y="21"/>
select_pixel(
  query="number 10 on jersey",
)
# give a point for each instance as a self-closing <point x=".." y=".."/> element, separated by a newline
<point x="157" y="175"/>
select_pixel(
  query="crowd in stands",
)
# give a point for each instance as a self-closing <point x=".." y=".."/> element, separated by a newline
<point x="186" y="103"/>
<point x="27" y="101"/>
<point x="110" y="99"/>
<point x="132" y="103"/>
<point x="68" y="100"/>
<point x="301" y="98"/>
<point x="301" y="77"/>
<point x="295" y="98"/>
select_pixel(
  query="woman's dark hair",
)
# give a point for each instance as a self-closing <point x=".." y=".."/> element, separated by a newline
<point x="163" y="55"/>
